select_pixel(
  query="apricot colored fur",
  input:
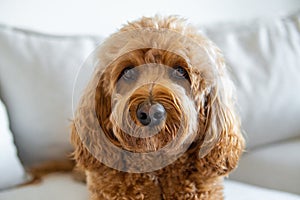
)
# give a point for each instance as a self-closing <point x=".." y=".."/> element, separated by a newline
<point x="196" y="174"/>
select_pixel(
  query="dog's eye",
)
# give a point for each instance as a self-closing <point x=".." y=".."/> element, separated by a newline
<point x="129" y="74"/>
<point x="179" y="73"/>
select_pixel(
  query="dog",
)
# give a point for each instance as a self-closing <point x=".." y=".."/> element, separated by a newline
<point x="157" y="120"/>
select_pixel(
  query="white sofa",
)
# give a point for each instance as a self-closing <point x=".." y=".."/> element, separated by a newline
<point x="37" y="72"/>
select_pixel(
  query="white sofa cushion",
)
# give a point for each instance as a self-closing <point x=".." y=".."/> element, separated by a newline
<point x="12" y="171"/>
<point x="37" y="73"/>
<point x="62" y="186"/>
<point x="264" y="59"/>
<point x="242" y="191"/>
<point x="54" y="186"/>
<point x="276" y="166"/>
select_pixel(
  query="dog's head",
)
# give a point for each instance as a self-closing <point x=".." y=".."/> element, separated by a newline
<point x="158" y="83"/>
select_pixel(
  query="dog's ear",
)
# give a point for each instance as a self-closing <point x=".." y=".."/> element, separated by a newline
<point x="103" y="104"/>
<point x="222" y="142"/>
<point x="81" y="154"/>
<point x="103" y="107"/>
<point x="92" y="115"/>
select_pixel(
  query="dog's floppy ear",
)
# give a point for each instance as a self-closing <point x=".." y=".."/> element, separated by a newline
<point x="222" y="142"/>
<point x="81" y="154"/>
<point x="92" y="113"/>
<point x="103" y="104"/>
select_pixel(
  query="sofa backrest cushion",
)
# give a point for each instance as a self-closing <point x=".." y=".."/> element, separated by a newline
<point x="37" y="73"/>
<point x="264" y="60"/>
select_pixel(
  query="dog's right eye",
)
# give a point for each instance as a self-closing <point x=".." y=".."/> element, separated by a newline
<point x="180" y="73"/>
<point x="129" y="74"/>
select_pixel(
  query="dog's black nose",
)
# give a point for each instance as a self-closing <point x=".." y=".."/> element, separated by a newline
<point x="150" y="114"/>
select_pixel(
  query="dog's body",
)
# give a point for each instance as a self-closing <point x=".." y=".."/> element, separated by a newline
<point x="183" y="92"/>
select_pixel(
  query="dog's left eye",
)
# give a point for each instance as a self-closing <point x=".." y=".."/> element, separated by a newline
<point x="129" y="74"/>
<point x="179" y="73"/>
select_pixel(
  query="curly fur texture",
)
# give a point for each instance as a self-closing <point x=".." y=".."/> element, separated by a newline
<point x="204" y="104"/>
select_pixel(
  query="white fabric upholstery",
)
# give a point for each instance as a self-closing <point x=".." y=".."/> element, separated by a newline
<point x="276" y="166"/>
<point x="264" y="59"/>
<point x="241" y="191"/>
<point x="37" y="73"/>
<point x="56" y="186"/>
<point x="12" y="171"/>
<point x="62" y="186"/>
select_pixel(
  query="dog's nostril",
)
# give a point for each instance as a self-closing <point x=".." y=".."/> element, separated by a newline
<point x="158" y="115"/>
<point x="143" y="116"/>
<point x="158" y="112"/>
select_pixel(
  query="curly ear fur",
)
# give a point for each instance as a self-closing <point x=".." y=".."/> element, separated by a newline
<point x="223" y="139"/>
<point x="225" y="154"/>
<point x="84" y="159"/>
<point x="102" y="109"/>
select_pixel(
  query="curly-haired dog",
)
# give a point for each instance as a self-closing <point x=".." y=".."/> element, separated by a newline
<point x="157" y="81"/>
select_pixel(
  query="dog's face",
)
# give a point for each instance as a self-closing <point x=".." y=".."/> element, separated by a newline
<point x="152" y="100"/>
<point x="158" y="84"/>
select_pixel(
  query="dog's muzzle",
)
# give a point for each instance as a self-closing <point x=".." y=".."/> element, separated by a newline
<point x="150" y="114"/>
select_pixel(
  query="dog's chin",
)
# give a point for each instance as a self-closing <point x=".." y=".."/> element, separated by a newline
<point x="146" y="139"/>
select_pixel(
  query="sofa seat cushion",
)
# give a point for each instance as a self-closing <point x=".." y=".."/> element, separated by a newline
<point x="62" y="186"/>
<point x="54" y="186"/>
<point x="276" y="166"/>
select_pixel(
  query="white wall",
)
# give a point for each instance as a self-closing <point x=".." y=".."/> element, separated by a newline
<point x="104" y="17"/>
